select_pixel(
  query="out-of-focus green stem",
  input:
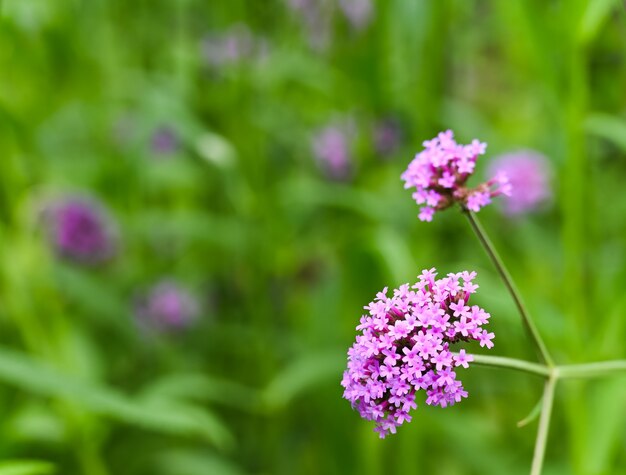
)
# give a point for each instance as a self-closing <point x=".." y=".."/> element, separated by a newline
<point x="512" y="363"/>
<point x="592" y="370"/>
<point x="601" y="369"/>
<point x="544" y="425"/>
<point x="510" y="285"/>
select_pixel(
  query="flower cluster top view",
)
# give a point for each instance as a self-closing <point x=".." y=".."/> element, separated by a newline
<point x="439" y="174"/>
<point x="405" y="346"/>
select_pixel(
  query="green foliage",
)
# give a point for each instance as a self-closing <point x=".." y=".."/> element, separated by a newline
<point x="280" y="256"/>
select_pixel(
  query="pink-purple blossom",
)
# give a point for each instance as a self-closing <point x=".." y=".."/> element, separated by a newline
<point x="406" y="344"/>
<point x="529" y="173"/>
<point x="439" y="174"/>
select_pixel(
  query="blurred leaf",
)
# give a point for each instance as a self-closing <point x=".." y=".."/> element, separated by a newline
<point x="35" y="423"/>
<point x="98" y="300"/>
<point x="534" y="413"/>
<point x="595" y="16"/>
<point x="205" y="388"/>
<point x="609" y="127"/>
<point x="308" y="192"/>
<point x="605" y="425"/>
<point x="216" y="149"/>
<point x="302" y="375"/>
<point x="395" y="253"/>
<point x="186" y="462"/>
<point x="228" y="233"/>
<point x="26" y="467"/>
<point x="161" y="416"/>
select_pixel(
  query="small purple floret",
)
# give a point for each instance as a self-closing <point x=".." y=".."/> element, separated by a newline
<point x="405" y="346"/>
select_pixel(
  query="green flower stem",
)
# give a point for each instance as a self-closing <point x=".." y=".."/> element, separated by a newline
<point x="512" y="363"/>
<point x="592" y="370"/>
<point x="544" y="425"/>
<point x="600" y="369"/>
<point x="510" y="285"/>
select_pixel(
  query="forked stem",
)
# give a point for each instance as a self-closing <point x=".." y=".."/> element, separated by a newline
<point x="544" y="425"/>
<point x="510" y="285"/>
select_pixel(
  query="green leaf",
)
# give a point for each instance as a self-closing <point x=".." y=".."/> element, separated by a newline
<point x="162" y="416"/>
<point x="593" y="19"/>
<point x="302" y="375"/>
<point x="204" y="388"/>
<point x="532" y="415"/>
<point x="609" y="127"/>
<point x="606" y="425"/>
<point x="26" y="467"/>
<point x="187" y="462"/>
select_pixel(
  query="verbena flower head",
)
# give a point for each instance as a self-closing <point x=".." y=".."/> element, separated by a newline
<point x="529" y="173"/>
<point x="81" y="230"/>
<point x="405" y="346"/>
<point x="439" y="174"/>
<point x="166" y="306"/>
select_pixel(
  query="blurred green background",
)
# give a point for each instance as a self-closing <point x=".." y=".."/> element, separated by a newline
<point x="196" y="124"/>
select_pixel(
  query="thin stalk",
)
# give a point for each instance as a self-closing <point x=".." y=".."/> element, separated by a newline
<point x="544" y="425"/>
<point x="512" y="363"/>
<point x="593" y="370"/>
<point x="510" y="285"/>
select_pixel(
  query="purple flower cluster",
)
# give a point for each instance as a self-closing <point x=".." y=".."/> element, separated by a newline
<point x="80" y="230"/>
<point x="167" y="306"/>
<point x="440" y="172"/>
<point x="405" y="346"/>
<point x="530" y="174"/>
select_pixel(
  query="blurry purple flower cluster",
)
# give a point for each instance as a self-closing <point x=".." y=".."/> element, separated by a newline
<point x="316" y="15"/>
<point x="166" y="306"/>
<point x="232" y="46"/>
<point x="359" y="13"/>
<point x="405" y="346"/>
<point x="164" y="141"/>
<point x="331" y="148"/>
<point x="81" y="230"/>
<point x="387" y="136"/>
<point x="439" y="174"/>
<point x="529" y="173"/>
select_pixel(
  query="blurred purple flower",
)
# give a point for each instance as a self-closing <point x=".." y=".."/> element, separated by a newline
<point x="331" y="149"/>
<point x="81" y="230"/>
<point x="233" y="45"/>
<point x="166" y="306"/>
<point x="529" y="173"/>
<point x="359" y="13"/>
<point x="387" y="136"/>
<point x="164" y="141"/>
<point x="316" y="19"/>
